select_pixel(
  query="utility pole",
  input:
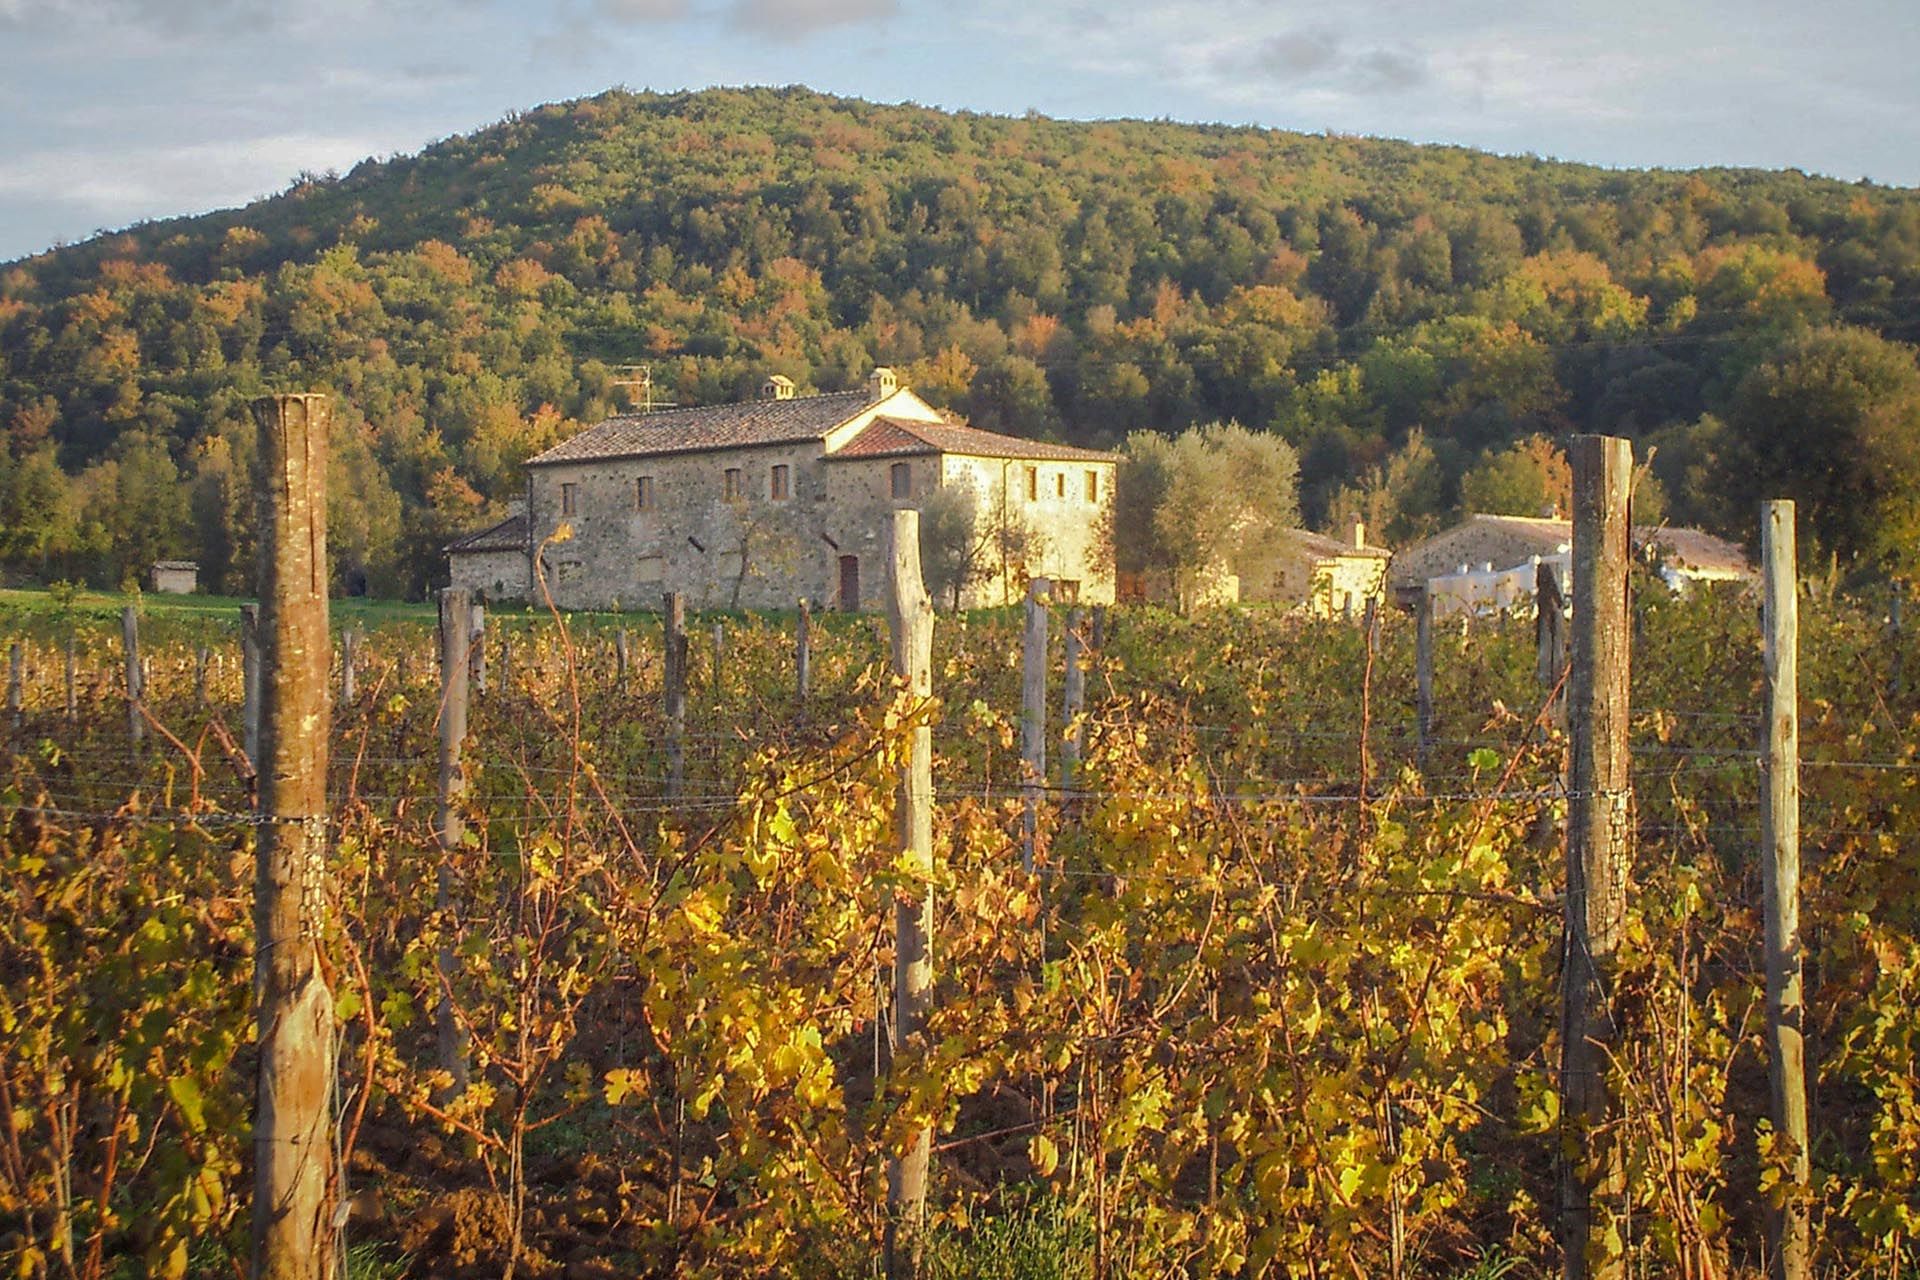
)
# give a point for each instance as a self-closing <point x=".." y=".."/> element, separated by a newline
<point x="294" y="1167"/>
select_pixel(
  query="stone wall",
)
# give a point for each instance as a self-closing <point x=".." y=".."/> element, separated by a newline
<point x="500" y="577"/>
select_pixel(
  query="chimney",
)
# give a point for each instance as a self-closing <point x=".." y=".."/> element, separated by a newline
<point x="1359" y="535"/>
<point x="881" y="383"/>
<point x="777" y="387"/>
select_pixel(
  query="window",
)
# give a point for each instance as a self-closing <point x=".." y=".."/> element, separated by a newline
<point x="1060" y="485"/>
<point x="643" y="494"/>
<point x="780" y="484"/>
<point x="732" y="489"/>
<point x="1033" y="484"/>
<point x="902" y="476"/>
<point x="1093" y="485"/>
<point x="569" y="499"/>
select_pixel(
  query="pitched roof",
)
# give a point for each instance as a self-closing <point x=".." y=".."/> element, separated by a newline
<point x="1326" y="547"/>
<point x="713" y="426"/>
<point x="1505" y="541"/>
<point x="891" y="437"/>
<point x="509" y="535"/>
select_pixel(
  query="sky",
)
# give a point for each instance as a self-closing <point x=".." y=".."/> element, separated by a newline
<point x="115" y="111"/>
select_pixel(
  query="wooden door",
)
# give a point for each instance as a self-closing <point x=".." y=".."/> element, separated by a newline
<point x="850" y="583"/>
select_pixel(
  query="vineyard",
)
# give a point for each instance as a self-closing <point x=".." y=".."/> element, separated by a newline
<point x="1279" y="994"/>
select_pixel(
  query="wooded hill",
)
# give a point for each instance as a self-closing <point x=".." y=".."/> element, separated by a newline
<point x="1411" y="318"/>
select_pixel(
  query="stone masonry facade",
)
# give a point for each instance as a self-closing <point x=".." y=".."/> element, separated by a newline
<point x="764" y="503"/>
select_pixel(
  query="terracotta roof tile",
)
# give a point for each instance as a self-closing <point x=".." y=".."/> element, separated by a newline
<point x="714" y="426"/>
<point x="895" y="436"/>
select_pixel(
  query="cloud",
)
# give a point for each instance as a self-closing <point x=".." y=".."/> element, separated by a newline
<point x="126" y="184"/>
<point x="804" y="17"/>
<point x="637" y="11"/>
<point x="1323" y="58"/>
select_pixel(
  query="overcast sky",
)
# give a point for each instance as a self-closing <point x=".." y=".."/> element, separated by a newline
<point x="119" y="110"/>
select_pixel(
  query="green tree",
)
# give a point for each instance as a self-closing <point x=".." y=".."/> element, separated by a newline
<point x="1218" y="494"/>
<point x="1832" y="420"/>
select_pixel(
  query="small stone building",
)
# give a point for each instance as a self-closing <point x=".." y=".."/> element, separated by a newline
<point x="786" y="497"/>
<point x="175" y="577"/>
<point x="1494" y="545"/>
<point x="1324" y="576"/>
<point x="492" y="563"/>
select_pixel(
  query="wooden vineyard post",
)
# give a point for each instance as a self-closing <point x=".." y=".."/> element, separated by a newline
<point x="1423" y="670"/>
<point x="910" y="613"/>
<point x="349" y="655"/>
<point x="719" y="660"/>
<point x="136" y="678"/>
<point x="1073" y="699"/>
<point x="1599" y="833"/>
<point x="456" y="638"/>
<point x="1099" y="628"/>
<point x="506" y="660"/>
<point x="73" y="676"/>
<point x="803" y="652"/>
<point x="1780" y="872"/>
<point x="17" y="683"/>
<point x="674" y="641"/>
<point x="294" y="1168"/>
<point x="1033" y="717"/>
<point x="250" y="686"/>
<point x="477" y="650"/>
<point x="1550" y="639"/>
<point x="200" y="659"/>
<point x="622" y="658"/>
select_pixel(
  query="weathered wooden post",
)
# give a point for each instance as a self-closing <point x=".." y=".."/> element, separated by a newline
<point x="136" y="678"/>
<point x="293" y="1149"/>
<point x="250" y="642"/>
<point x="719" y="660"/>
<point x="17" y="683"/>
<point x="1074" y="698"/>
<point x="622" y="658"/>
<point x="450" y="827"/>
<point x="349" y="660"/>
<point x="477" y="650"/>
<point x="1033" y="716"/>
<point x="1423" y="670"/>
<point x="1780" y="871"/>
<point x="1599" y="835"/>
<point x="201" y="656"/>
<point x="910" y="613"/>
<point x="1099" y="628"/>
<point x="1550" y="639"/>
<point x="674" y="642"/>
<point x="73" y="676"/>
<point x="803" y="651"/>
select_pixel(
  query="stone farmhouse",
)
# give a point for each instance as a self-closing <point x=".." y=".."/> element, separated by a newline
<point x="761" y="504"/>
<point x="1488" y="561"/>
<point x="1322" y="576"/>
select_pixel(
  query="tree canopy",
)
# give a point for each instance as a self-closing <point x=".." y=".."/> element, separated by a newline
<point x="1400" y="315"/>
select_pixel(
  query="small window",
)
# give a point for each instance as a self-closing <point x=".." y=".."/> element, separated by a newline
<point x="733" y="490"/>
<point x="1093" y="485"/>
<point x="1033" y="484"/>
<point x="569" y="499"/>
<point x="780" y="484"/>
<point x="643" y="494"/>
<point x="901" y="474"/>
<point x="1060" y="485"/>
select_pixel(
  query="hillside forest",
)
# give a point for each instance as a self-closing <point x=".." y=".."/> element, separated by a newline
<point x="1423" y="326"/>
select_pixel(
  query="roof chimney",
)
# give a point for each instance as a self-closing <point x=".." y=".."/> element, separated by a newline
<point x="881" y="383"/>
<point x="777" y="387"/>
<point x="1359" y="535"/>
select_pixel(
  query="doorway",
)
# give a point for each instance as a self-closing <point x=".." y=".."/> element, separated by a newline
<point x="850" y="583"/>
